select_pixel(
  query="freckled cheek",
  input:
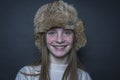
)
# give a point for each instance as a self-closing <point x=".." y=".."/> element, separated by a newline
<point x="69" y="39"/>
<point x="49" y="39"/>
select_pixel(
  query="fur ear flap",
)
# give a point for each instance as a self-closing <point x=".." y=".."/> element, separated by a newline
<point x="80" y="36"/>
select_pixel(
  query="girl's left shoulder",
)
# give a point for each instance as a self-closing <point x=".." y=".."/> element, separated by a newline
<point x="83" y="75"/>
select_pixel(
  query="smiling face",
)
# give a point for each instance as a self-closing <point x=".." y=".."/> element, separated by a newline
<point x="59" y="41"/>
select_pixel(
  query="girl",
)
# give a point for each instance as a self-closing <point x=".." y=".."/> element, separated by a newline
<point x="59" y="33"/>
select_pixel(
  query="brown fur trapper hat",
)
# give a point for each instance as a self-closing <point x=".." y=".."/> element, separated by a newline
<point x="59" y="14"/>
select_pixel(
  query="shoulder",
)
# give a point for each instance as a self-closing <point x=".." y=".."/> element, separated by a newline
<point x="30" y="69"/>
<point x="26" y="72"/>
<point x="83" y="75"/>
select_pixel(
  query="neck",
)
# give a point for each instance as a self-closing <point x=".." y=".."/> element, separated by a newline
<point x="57" y="60"/>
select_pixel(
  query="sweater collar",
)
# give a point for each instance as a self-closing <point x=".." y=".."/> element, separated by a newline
<point x="58" y="66"/>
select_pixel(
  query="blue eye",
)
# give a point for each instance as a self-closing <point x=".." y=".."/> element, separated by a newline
<point x="51" y="32"/>
<point x="68" y="32"/>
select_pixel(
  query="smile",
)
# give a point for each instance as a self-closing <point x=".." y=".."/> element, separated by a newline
<point x="59" y="47"/>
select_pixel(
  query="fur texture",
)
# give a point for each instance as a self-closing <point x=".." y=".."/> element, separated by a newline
<point x="58" y="14"/>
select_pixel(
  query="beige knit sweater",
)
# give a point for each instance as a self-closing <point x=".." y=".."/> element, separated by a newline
<point x="56" y="73"/>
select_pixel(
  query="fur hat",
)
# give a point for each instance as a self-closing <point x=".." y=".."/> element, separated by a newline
<point x="59" y="14"/>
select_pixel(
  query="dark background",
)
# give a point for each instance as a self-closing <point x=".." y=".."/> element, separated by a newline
<point x="101" y="56"/>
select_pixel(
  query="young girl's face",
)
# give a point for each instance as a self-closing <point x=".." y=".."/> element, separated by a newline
<point x="59" y="41"/>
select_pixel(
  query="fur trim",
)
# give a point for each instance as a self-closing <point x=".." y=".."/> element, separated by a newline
<point x="59" y="14"/>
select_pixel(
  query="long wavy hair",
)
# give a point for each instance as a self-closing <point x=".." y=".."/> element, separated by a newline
<point x="44" y="60"/>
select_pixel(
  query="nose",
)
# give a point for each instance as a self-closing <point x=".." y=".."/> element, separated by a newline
<point x="60" y="39"/>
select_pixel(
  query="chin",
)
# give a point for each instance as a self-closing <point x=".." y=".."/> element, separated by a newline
<point x="60" y="54"/>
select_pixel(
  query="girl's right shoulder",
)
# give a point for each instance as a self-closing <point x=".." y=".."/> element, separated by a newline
<point x="28" y="72"/>
<point x="30" y="69"/>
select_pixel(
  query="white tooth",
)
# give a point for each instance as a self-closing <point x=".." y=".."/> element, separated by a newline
<point x="59" y="47"/>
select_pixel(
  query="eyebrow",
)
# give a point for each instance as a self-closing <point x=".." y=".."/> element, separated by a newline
<point x="54" y="29"/>
<point x="51" y="30"/>
<point x="68" y="29"/>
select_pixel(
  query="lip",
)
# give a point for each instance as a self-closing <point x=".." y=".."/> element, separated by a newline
<point x="59" y="47"/>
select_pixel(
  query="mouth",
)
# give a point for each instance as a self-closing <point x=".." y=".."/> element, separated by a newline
<point x="59" y="47"/>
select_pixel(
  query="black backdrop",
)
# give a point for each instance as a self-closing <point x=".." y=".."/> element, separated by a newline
<point x="100" y="56"/>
